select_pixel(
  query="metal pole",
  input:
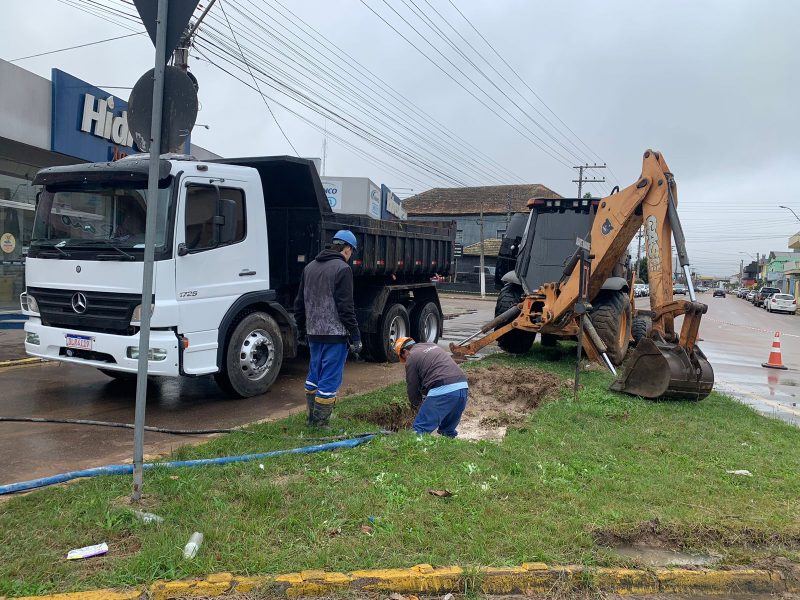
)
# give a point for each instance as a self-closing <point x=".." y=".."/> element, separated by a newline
<point x="149" y="248"/>
<point x="580" y="181"/>
<point x="483" y="276"/>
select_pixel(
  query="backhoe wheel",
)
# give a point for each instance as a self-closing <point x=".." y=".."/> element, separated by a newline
<point x="641" y="328"/>
<point x="611" y="318"/>
<point x="515" y="341"/>
<point x="253" y="356"/>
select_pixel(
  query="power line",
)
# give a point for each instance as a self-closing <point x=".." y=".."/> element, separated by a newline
<point x="119" y="37"/>
<point x="274" y="118"/>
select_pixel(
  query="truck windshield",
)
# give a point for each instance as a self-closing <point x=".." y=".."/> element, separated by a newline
<point x="99" y="217"/>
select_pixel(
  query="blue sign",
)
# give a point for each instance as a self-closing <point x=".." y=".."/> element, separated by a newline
<point x="88" y="122"/>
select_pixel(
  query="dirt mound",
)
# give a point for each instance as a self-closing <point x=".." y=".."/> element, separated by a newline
<point x="501" y="396"/>
<point x="498" y="397"/>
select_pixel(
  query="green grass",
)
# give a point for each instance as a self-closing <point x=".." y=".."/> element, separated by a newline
<point x="574" y="474"/>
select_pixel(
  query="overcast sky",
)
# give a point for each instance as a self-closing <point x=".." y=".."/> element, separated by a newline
<point x="713" y="85"/>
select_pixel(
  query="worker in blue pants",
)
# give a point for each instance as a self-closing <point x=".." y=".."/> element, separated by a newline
<point x="325" y="314"/>
<point x="437" y="388"/>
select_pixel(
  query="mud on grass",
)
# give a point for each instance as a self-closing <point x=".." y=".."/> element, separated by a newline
<point x="499" y="396"/>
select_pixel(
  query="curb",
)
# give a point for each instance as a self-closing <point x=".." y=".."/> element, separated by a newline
<point x="529" y="578"/>
<point x="16" y="362"/>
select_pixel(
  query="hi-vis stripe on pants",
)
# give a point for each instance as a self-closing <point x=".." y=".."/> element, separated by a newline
<point x="325" y="370"/>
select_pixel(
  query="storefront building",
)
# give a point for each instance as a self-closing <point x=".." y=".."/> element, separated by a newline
<point x="45" y="123"/>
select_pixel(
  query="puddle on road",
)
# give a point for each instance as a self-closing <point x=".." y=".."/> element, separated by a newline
<point x="652" y="556"/>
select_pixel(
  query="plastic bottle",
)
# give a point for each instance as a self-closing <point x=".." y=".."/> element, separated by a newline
<point x="193" y="545"/>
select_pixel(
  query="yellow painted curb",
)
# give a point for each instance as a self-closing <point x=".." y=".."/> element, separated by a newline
<point x="16" y="362"/>
<point x="528" y="578"/>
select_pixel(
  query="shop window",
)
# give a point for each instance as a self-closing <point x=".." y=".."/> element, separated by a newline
<point x="214" y="217"/>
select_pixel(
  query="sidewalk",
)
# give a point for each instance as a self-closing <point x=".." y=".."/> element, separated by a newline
<point x="12" y="344"/>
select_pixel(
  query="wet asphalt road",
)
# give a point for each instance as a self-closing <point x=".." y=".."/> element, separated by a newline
<point x="64" y="391"/>
<point x="736" y="338"/>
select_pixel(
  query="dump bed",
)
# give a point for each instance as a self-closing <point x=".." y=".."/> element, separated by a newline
<point x="300" y="222"/>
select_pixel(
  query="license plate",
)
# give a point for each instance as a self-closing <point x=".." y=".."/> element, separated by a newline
<point x="83" y="342"/>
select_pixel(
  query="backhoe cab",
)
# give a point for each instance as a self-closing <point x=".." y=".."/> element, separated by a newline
<point x="663" y="364"/>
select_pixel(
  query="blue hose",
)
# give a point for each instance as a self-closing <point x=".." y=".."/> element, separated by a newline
<point x="222" y="460"/>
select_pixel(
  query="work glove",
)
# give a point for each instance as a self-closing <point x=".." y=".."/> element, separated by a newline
<point x="356" y="346"/>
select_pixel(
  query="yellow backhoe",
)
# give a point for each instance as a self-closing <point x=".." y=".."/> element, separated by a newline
<point x="664" y="363"/>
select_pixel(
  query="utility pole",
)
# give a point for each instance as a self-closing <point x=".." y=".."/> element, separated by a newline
<point x="581" y="180"/>
<point x="741" y="272"/>
<point x="325" y="147"/>
<point x="482" y="274"/>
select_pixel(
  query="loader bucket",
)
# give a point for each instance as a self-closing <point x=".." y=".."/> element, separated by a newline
<point x="660" y="371"/>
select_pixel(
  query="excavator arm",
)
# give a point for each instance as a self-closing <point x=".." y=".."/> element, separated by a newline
<point x="662" y="365"/>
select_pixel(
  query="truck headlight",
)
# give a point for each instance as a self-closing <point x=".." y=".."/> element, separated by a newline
<point x="136" y="317"/>
<point x="152" y="354"/>
<point x="29" y="303"/>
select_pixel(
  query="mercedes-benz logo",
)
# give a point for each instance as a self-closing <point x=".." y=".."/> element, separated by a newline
<point x="79" y="303"/>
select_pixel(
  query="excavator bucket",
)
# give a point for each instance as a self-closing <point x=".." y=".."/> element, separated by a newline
<point x="660" y="371"/>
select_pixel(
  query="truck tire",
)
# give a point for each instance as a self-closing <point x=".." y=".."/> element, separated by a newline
<point x="640" y="328"/>
<point x="515" y="341"/>
<point x="426" y="323"/>
<point x="119" y="375"/>
<point x="611" y="318"/>
<point x="394" y="323"/>
<point x="253" y="356"/>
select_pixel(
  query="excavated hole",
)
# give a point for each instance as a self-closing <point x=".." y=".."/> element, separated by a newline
<point x="499" y="397"/>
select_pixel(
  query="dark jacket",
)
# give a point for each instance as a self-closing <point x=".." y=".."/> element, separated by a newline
<point x="324" y="309"/>
<point x="428" y="367"/>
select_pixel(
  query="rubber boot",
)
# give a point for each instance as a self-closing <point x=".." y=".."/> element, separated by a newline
<point x="310" y="395"/>
<point x="321" y="413"/>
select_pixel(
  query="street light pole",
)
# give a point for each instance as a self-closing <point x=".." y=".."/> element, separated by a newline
<point x="791" y="211"/>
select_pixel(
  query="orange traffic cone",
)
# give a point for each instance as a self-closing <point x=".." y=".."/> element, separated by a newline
<point x="775" y="361"/>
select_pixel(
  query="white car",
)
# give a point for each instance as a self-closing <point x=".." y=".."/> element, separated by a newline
<point x="782" y="303"/>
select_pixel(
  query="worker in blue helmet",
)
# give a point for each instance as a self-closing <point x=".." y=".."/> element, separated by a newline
<point x="325" y="314"/>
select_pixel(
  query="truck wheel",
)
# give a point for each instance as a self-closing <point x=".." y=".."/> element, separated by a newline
<point x="253" y="356"/>
<point x="394" y="324"/>
<point x="641" y="328"/>
<point x="426" y="323"/>
<point x="515" y="341"/>
<point x="611" y="318"/>
<point x="119" y="375"/>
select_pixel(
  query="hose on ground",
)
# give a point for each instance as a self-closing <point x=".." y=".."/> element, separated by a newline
<point x="222" y="460"/>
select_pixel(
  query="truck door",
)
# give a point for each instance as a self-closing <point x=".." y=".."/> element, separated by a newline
<point x="216" y="262"/>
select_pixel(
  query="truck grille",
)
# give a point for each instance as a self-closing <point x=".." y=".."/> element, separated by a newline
<point x="105" y="312"/>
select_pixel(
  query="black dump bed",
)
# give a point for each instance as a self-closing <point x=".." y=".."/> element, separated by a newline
<point x="300" y="222"/>
<point x="546" y="242"/>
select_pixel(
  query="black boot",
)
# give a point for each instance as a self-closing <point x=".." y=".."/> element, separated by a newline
<point x="310" y="406"/>
<point x="321" y="412"/>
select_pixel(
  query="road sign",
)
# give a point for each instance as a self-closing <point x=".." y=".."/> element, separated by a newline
<point x="458" y="250"/>
<point x="178" y="17"/>
<point x="179" y="110"/>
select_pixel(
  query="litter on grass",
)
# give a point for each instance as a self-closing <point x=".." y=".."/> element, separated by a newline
<point x="87" y="551"/>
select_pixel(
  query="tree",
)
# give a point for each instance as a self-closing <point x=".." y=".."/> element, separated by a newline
<point x="588" y="195"/>
<point x="641" y="276"/>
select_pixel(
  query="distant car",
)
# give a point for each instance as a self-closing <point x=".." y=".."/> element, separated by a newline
<point x="639" y="290"/>
<point x="719" y="292"/>
<point x="438" y="278"/>
<point x="679" y="289"/>
<point x="750" y="296"/>
<point x="762" y="294"/>
<point x="782" y="303"/>
<point x="742" y="292"/>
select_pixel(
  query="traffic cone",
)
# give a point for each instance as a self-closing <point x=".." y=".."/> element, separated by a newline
<point x="775" y="361"/>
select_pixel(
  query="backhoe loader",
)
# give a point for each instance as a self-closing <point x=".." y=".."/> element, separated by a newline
<point x="664" y="363"/>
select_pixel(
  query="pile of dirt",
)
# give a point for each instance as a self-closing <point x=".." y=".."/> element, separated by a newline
<point x="500" y="396"/>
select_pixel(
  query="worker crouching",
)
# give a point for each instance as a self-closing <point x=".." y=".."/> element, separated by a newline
<point x="437" y="387"/>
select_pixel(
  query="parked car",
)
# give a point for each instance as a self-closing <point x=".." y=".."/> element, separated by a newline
<point x="742" y="292"/>
<point x="679" y="289"/>
<point x="719" y="292"/>
<point x="639" y="290"/>
<point x="782" y="303"/>
<point x="751" y="295"/>
<point x="761" y="295"/>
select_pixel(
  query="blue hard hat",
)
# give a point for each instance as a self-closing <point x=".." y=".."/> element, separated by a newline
<point x="346" y="236"/>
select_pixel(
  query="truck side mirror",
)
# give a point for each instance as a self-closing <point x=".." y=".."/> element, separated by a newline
<point x="182" y="249"/>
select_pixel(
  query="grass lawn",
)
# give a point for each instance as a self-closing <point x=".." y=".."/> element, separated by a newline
<point x="558" y="488"/>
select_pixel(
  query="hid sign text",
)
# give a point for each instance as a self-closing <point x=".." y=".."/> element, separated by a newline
<point x="88" y="122"/>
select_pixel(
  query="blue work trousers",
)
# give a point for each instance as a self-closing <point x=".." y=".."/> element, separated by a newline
<point x="326" y="369"/>
<point x="441" y="413"/>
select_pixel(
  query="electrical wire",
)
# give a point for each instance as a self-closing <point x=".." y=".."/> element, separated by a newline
<point x="119" y="37"/>
<point x="274" y="118"/>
